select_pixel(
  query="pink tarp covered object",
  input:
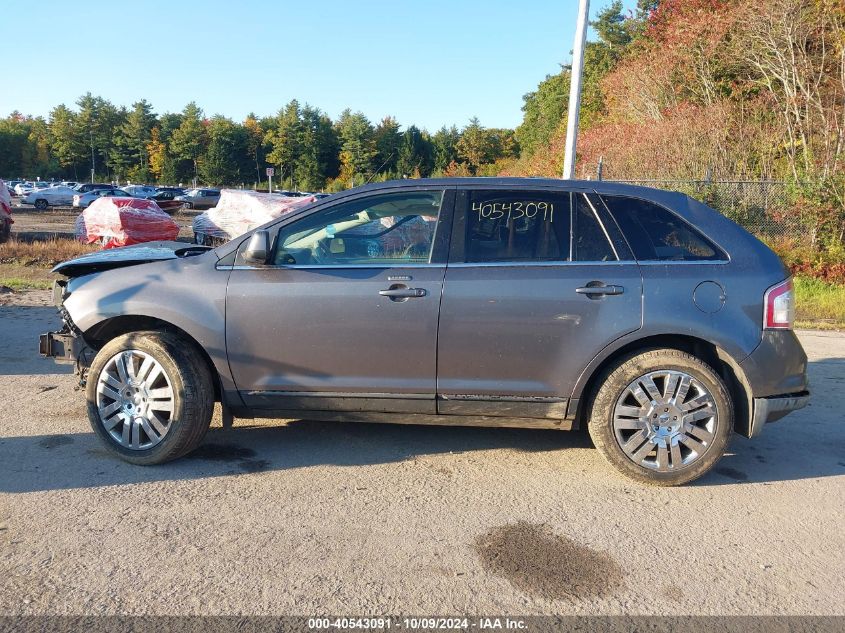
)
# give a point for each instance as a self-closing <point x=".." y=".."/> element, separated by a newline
<point x="124" y="221"/>
<point x="240" y="211"/>
<point x="5" y="211"/>
<point x="5" y="199"/>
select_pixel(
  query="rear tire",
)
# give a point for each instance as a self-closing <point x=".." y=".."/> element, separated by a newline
<point x="661" y="417"/>
<point x="133" y="381"/>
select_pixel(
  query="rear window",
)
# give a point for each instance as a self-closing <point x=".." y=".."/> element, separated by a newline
<point x="657" y="234"/>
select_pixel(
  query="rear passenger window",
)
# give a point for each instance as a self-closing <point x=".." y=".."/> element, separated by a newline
<point x="523" y="226"/>
<point x="655" y="233"/>
<point x="514" y="226"/>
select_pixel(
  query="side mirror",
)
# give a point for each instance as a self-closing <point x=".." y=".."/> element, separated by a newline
<point x="258" y="248"/>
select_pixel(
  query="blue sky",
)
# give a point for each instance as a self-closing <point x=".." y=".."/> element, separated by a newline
<point x="430" y="63"/>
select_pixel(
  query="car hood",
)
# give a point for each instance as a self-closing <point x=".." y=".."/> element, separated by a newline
<point x="127" y="256"/>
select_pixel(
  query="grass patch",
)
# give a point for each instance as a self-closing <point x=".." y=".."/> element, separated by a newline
<point x="26" y="265"/>
<point x="21" y="277"/>
<point x="17" y="283"/>
<point x="819" y="302"/>
<point x="44" y="254"/>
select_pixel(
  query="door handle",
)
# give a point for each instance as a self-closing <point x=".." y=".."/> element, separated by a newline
<point x="403" y="293"/>
<point x="597" y="288"/>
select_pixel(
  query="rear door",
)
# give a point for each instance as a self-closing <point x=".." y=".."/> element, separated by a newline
<point x="538" y="282"/>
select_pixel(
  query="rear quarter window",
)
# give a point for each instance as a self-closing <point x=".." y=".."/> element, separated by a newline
<point x="657" y="234"/>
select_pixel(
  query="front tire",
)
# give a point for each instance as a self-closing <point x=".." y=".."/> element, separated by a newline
<point x="661" y="417"/>
<point x="150" y="397"/>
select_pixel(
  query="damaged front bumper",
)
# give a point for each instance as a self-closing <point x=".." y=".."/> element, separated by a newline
<point x="67" y="345"/>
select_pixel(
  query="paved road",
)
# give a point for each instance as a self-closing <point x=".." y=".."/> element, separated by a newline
<point x="314" y="518"/>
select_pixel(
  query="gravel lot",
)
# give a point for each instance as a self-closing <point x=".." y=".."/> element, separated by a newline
<point x="313" y="518"/>
<point x="31" y="224"/>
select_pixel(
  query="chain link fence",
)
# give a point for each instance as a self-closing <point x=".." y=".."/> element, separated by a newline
<point x="763" y="207"/>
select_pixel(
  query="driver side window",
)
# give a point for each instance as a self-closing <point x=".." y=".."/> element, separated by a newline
<point x="388" y="229"/>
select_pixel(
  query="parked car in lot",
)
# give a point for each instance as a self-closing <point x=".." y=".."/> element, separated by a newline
<point x="643" y="315"/>
<point x="82" y="200"/>
<point x="176" y="191"/>
<point x="87" y="187"/>
<point x="200" y="198"/>
<point x="24" y="188"/>
<point x="167" y="201"/>
<point x="140" y="191"/>
<point x="50" y="197"/>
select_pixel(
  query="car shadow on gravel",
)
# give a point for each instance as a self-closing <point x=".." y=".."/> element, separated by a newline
<point x="808" y="444"/>
<point x="55" y="462"/>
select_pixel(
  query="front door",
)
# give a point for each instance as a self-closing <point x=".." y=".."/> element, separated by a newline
<point x="345" y="317"/>
<point x="538" y="283"/>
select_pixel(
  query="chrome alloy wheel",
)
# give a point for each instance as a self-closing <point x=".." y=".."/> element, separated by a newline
<point x="665" y="420"/>
<point x="135" y="400"/>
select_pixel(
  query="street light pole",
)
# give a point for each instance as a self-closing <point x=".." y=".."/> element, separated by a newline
<point x="93" y="164"/>
<point x="575" y="89"/>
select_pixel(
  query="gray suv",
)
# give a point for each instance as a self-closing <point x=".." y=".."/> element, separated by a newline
<point x="200" y="198"/>
<point x="643" y="315"/>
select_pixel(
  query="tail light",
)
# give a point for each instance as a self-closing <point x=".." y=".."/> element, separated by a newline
<point x="779" y="307"/>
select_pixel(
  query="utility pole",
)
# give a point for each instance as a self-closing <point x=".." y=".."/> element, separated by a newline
<point x="575" y="89"/>
<point x="93" y="165"/>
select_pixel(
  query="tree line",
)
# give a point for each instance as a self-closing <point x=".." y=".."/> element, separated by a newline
<point x="685" y="89"/>
<point x="674" y="90"/>
<point x="308" y="149"/>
